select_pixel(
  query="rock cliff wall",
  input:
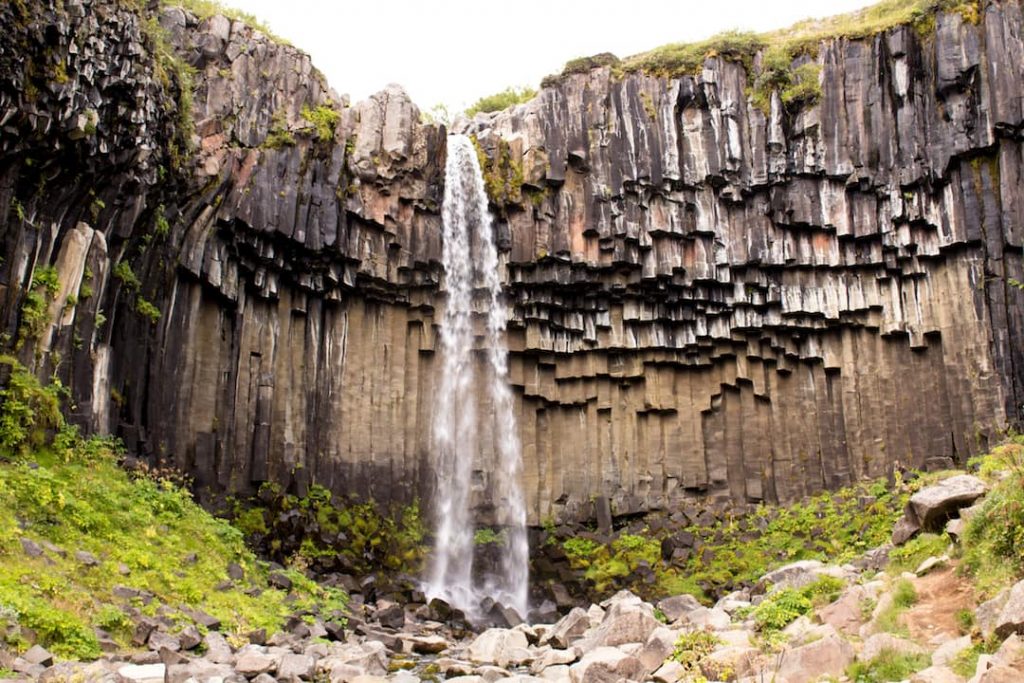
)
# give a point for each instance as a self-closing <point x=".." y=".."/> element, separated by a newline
<point x="707" y="299"/>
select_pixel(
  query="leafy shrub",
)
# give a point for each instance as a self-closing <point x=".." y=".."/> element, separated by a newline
<point x="783" y="606"/>
<point x="146" y="309"/>
<point x="324" y="120"/>
<point x="35" y="310"/>
<point x="29" y="410"/>
<point x="580" y="550"/>
<point x="780" y="608"/>
<point x="123" y="272"/>
<point x="692" y="648"/>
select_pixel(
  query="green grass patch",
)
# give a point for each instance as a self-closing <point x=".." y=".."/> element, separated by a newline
<point x="71" y="492"/>
<point x="993" y="545"/>
<point x="903" y="596"/>
<point x="781" y="607"/>
<point x="889" y="665"/>
<point x="499" y="101"/>
<point x="691" y="649"/>
<point x="909" y="556"/>
<point x="324" y="121"/>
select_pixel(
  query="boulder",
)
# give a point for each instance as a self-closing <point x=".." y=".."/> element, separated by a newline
<point x="931" y="563"/>
<point x="711" y="619"/>
<point x="217" y="649"/>
<point x="1011" y="617"/>
<point x="427" y="645"/>
<point x="391" y="615"/>
<point x="845" y="613"/>
<point x="986" y="615"/>
<point x="295" y="667"/>
<point x="606" y="665"/>
<point x="625" y="622"/>
<point x="945" y="653"/>
<point x="568" y="629"/>
<point x="931" y="507"/>
<point x="498" y="646"/>
<point x="677" y="606"/>
<point x="793" y="575"/>
<point x="660" y="644"/>
<point x="828" y="656"/>
<point x="142" y="673"/>
<point x="37" y="654"/>
<point x="725" y="663"/>
<point x="669" y="672"/>
<point x="161" y="640"/>
<point x="199" y="670"/>
<point x="253" y="660"/>
<point x="550" y="657"/>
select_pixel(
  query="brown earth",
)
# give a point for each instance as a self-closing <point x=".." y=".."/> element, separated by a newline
<point x="941" y="595"/>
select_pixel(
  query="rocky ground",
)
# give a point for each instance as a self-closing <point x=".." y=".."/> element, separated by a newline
<point x="806" y="621"/>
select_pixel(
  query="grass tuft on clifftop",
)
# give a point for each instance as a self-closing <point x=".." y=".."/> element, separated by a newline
<point x="76" y="529"/>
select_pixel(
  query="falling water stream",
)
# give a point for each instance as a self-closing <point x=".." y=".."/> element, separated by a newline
<point x="464" y="422"/>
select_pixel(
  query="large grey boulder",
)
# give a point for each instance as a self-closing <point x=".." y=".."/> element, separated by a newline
<point x="568" y="629"/>
<point x="625" y="622"/>
<point x="1011" y="617"/>
<point x="253" y="660"/>
<point x="828" y="656"/>
<point x="499" y="646"/>
<point x="936" y="674"/>
<point x="931" y="507"/>
<point x="606" y="665"/>
<point x="677" y="606"/>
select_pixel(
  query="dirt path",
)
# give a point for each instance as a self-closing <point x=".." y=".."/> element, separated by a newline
<point x="940" y="595"/>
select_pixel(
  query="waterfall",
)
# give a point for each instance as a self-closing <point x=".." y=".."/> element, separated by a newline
<point x="471" y="274"/>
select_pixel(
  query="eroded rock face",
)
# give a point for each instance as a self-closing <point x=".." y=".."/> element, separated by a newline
<point x="706" y="298"/>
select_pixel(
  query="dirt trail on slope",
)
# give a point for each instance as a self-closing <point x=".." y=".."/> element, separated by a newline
<point x="940" y="595"/>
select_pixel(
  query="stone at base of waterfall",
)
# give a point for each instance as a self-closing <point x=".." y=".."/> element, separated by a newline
<point x="559" y="672"/>
<point x="218" y="650"/>
<point x="550" y="657"/>
<point x="500" y="646"/>
<point x="669" y="672"/>
<point x="829" y="656"/>
<point x="427" y="645"/>
<point x="986" y="615"/>
<point x="253" y="660"/>
<point x="201" y="670"/>
<point x="606" y="665"/>
<point x="142" y="673"/>
<point x="660" y="644"/>
<point x="880" y="642"/>
<point x="713" y="619"/>
<point x="349" y="659"/>
<point x="678" y="606"/>
<point x="623" y="623"/>
<point x="568" y="629"/>
<point x="845" y="613"/>
<point x="295" y="667"/>
<point x="732" y="661"/>
<point x="932" y="506"/>
<point x="945" y="653"/>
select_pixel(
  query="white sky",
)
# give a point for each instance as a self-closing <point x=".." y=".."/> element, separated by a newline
<point x="456" y="51"/>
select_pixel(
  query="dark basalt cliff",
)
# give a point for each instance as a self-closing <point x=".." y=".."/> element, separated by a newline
<point x="707" y="299"/>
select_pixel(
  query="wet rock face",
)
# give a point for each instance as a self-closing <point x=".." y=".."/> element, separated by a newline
<point x="706" y="298"/>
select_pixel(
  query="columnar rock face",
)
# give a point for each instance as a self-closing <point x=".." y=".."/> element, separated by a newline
<point x="706" y="299"/>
